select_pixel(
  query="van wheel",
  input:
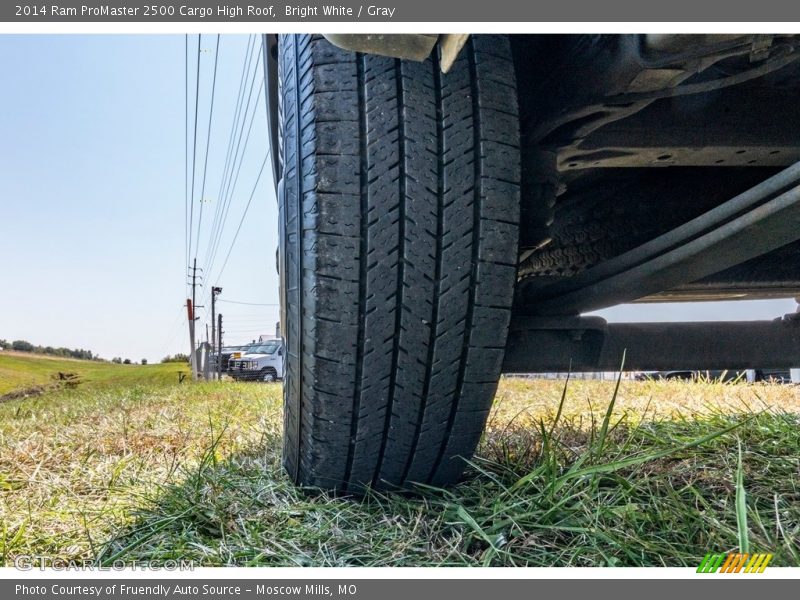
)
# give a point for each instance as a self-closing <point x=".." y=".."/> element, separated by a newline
<point x="269" y="376"/>
<point x="399" y="208"/>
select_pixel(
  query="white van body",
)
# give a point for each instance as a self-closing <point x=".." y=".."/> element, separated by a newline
<point x="261" y="361"/>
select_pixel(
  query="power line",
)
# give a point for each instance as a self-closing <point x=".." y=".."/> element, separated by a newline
<point x="244" y="321"/>
<point x="208" y="142"/>
<point x="232" y="181"/>
<point x="244" y="317"/>
<point x="241" y="221"/>
<point x="186" y="151"/>
<point x="246" y="208"/>
<point x="265" y="322"/>
<point x="194" y="143"/>
<point x="235" y="158"/>
<point x="250" y="303"/>
<point x="175" y="329"/>
<point x="231" y="135"/>
<point x="251" y="322"/>
<point x="255" y="331"/>
<point x="235" y="182"/>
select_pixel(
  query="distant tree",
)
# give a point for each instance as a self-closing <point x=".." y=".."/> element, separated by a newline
<point x="144" y="361"/>
<point x="22" y="346"/>
<point x="116" y="360"/>
<point x="127" y="361"/>
<point x="176" y="358"/>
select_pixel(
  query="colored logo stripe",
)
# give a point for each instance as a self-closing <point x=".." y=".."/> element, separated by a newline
<point x="710" y="563"/>
<point x="734" y="563"/>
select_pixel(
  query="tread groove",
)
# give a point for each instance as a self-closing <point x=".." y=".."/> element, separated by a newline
<point x="437" y="277"/>
<point x="401" y="181"/>
<point x="476" y="238"/>
<point x="362" y="260"/>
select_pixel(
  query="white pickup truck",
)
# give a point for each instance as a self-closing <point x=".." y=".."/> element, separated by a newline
<point x="261" y="362"/>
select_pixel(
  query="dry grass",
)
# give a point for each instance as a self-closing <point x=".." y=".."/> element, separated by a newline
<point x="154" y="472"/>
<point x="74" y="463"/>
<point x="526" y="401"/>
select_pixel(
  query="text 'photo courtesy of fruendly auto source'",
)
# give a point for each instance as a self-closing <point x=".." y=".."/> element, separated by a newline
<point x="422" y="290"/>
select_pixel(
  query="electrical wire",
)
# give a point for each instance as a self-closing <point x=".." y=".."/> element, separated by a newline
<point x="231" y="135"/>
<point x="194" y="144"/>
<point x="238" y="144"/>
<point x="232" y="181"/>
<point x="221" y="212"/>
<point x="208" y="142"/>
<point x="230" y="189"/>
<point x="186" y="152"/>
<point x="241" y="221"/>
<point x="249" y="303"/>
<point x="175" y="329"/>
<point x="235" y="180"/>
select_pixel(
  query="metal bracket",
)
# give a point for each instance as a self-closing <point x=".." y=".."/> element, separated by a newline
<point x="407" y="46"/>
<point x="762" y="219"/>
<point x="544" y="344"/>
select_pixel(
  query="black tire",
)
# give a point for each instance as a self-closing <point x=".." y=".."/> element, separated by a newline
<point x="399" y="208"/>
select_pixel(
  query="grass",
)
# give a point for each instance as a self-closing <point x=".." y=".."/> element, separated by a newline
<point x="658" y="473"/>
<point x="24" y="371"/>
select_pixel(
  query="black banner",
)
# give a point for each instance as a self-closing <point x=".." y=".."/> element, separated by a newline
<point x="385" y="11"/>
<point x="708" y="586"/>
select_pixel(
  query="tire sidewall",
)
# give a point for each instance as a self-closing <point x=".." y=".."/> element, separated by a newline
<point x="288" y="204"/>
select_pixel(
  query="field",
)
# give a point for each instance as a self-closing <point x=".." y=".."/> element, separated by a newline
<point x="20" y="372"/>
<point x="132" y="466"/>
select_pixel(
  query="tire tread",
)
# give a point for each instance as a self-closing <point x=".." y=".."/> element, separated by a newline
<point x="400" y="276"/>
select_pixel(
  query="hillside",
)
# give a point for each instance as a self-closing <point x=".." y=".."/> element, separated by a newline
<point x="21" y="371"/>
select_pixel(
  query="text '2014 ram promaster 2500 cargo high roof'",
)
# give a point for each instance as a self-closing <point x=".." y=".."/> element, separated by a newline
<point x="451" y="205"/>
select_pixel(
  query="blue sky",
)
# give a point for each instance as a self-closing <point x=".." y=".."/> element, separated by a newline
<point x="92" y="193"/>
<point x="92" y="197"/>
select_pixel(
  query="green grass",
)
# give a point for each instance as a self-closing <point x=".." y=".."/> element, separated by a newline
<point x="22" y="371"/>
<point x="658" y="474"/>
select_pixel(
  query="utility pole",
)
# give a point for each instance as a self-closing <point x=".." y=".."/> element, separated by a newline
<point x="206" y="354"/>
<point x="219" y="346"/>
<point x="194" y="282"/>
<point x="192" y="304"/>
<point x="214" y="291"/>
<point x="190" y="311"/>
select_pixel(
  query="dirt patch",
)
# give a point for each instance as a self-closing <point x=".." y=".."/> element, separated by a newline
<point x="61" y="380"/>
<point x="26" y="392"/>
<point x="69" y="380"/>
